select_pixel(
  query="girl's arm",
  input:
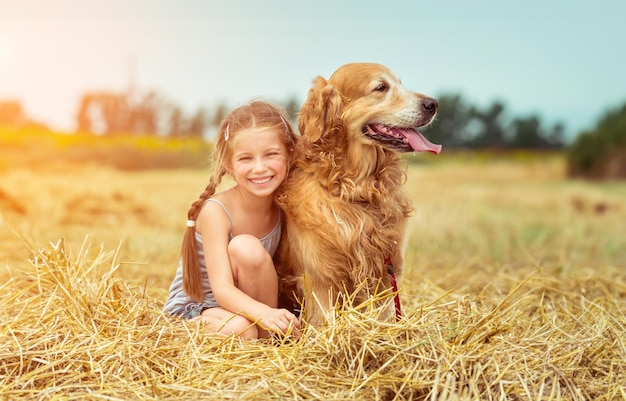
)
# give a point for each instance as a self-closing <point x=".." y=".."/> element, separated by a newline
<point x="214" y="226"/>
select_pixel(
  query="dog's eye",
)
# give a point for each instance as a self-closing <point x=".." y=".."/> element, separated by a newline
<point x="380" y="88"/>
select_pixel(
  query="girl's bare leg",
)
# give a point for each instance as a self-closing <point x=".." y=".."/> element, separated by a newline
<point x="253" y="271"/>
<point x="220" y="320"/>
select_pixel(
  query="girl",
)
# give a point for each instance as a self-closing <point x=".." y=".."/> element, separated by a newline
<point x="226" y="277"/>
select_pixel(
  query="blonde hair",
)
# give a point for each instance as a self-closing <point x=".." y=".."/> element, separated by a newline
<point x="257" y="114"/>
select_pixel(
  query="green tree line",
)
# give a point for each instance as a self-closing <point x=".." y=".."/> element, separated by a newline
<point x="459" y="123"/>
<point x="599" y="153"/>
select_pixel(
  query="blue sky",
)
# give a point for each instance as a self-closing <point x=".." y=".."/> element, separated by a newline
<point x="562" y="60"/>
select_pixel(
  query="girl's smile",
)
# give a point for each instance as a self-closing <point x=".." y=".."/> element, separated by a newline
<point x="259" y="162"/>
<point x="261" y="181"/>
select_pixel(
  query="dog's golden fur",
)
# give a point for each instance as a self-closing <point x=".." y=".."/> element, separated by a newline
<point x="344" y="205"/>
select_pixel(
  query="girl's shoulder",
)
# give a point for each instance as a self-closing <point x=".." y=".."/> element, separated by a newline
<point x="216" y="215"/>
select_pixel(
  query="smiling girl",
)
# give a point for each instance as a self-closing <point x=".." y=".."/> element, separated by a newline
<point x="226" y="277"/>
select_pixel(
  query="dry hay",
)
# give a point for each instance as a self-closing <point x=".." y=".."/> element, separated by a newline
<point x="113" y="209"/>
<point x="71" y="329"/>
<point x="8" y="203"/>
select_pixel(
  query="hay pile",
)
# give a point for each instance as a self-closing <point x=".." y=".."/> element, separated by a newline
<point x="72" y="329"/>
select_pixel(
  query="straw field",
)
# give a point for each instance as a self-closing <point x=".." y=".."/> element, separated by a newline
<point x="514" y="289"/>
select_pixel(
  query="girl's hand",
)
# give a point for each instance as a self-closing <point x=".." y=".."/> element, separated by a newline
<point x="279" y="321"/>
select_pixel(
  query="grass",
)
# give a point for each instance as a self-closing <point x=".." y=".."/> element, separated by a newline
<point x="39" y="148"/>
<point x="514" y="289"/>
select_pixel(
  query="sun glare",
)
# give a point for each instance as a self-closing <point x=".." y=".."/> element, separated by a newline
<point x="4" y="49"/>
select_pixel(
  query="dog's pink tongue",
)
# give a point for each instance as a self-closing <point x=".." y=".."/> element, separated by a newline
<point x="420" y="144"/>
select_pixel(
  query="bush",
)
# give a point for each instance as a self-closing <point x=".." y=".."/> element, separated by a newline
<point x="601" y="153"/>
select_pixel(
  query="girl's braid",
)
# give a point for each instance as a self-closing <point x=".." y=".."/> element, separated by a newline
<point x="192" y="278"/>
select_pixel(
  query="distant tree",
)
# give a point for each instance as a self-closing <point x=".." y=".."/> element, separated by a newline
<point x="556" y="137"/>
<point x="147" y="113"/>
<point x="220" y="113"/>
<point x="450" y="128"/>
<point x="113" y="113"/>
<point x="197" y="123"/>
<point x="527" y="134"/>
<point x="176" y="122"/>
<point x="601" y="153"/>
<point x="11" y="113"/>
<point x="490" y="125"/>
<point x="103" y="113"/>
<point x="116" y="112"/>
<point x="83" y="119"/>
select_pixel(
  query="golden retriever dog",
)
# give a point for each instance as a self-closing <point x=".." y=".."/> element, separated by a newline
<point x="345" y="209"/>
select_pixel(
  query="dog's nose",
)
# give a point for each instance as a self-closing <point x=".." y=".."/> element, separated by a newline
<point x="430" y="104"/>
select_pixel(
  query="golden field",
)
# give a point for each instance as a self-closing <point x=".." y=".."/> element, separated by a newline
<point x="514" y="288"/>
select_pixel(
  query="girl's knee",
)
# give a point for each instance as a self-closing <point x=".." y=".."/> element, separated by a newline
<point x="247" y="250"/>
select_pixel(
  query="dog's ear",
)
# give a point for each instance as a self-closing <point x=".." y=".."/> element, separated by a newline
<point x="321" y="112"/>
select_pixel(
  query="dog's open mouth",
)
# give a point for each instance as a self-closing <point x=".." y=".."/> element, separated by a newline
<point x="401" y="139"/>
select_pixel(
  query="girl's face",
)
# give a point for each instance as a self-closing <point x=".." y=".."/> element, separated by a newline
<point x="259" y="160"/>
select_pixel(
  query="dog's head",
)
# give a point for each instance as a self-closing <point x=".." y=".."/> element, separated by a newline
<point x="367" y="102"/>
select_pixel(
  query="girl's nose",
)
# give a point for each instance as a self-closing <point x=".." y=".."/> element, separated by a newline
<point x="259" y="166"/>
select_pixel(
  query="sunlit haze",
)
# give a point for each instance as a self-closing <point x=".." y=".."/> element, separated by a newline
<point x="562" y="60"/>
<point x="4" y="51"/>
